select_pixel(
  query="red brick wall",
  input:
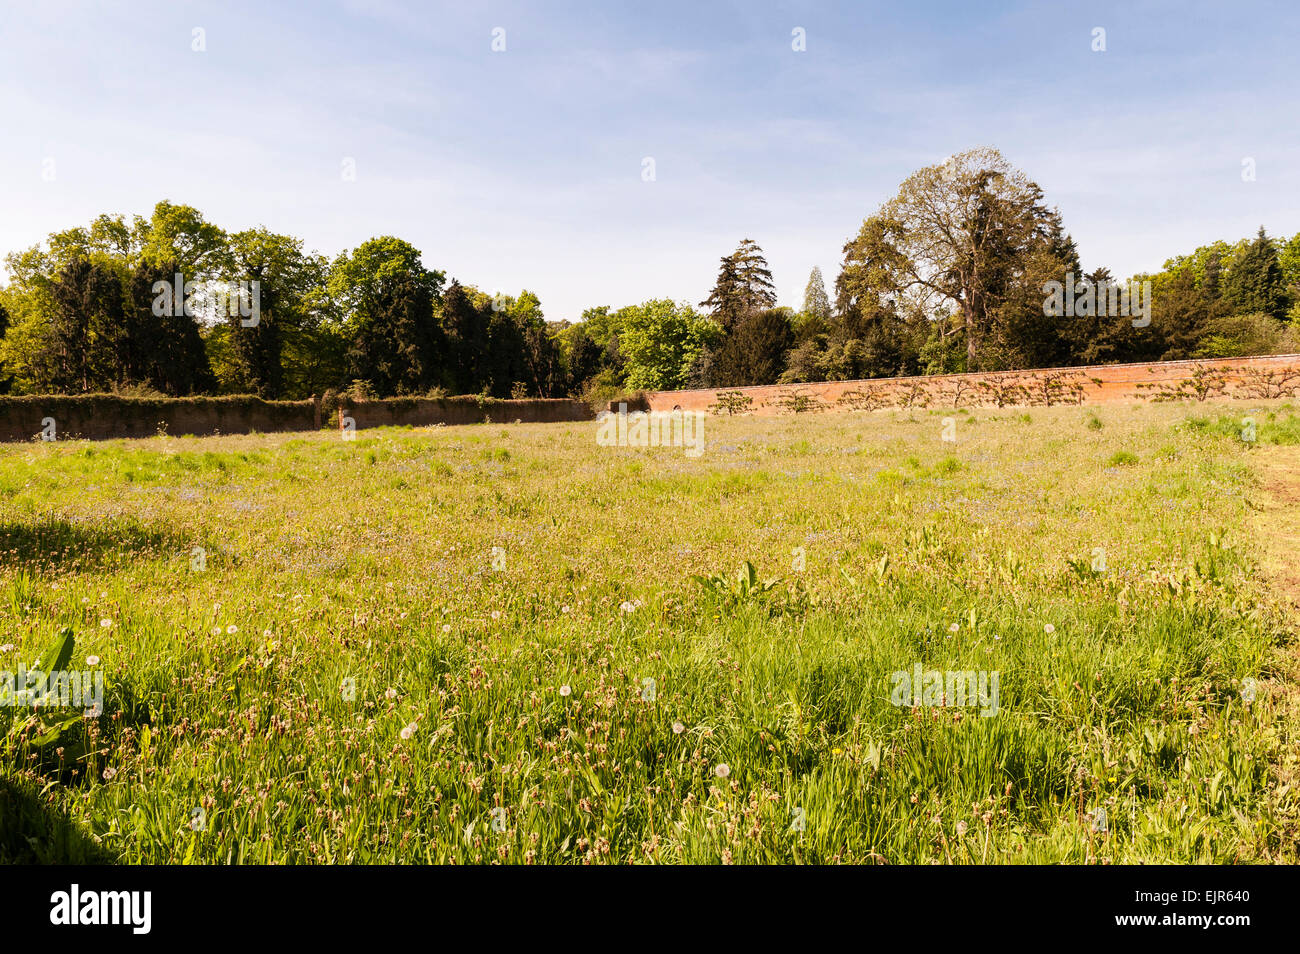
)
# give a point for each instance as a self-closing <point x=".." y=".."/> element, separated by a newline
<point x="1101" y="384"/>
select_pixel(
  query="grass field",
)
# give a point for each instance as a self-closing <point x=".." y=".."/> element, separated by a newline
<point x="346" y="670"/>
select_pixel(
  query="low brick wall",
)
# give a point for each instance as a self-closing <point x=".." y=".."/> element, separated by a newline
<point x="1099" y="384"/>
<point x="422" y="412"/>
<point x="109" y="416"/>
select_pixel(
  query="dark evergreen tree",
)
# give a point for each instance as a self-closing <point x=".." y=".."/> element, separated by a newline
<point x="89" y="327"/>
<point x="1255" y="283"/>
<point x="744" y="287"/>
<point x="755" y="352"/>
<point x="465" y="325"/>
<point x="397" y="346"/>
<point x="167" y="351"/>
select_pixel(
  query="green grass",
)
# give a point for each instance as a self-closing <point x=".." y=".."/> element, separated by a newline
<point x="370" y="563"/>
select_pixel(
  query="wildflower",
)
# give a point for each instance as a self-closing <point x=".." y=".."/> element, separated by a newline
<point x="105" y="623"/>
<point x="390" y="694"/>
<point x="961" y="829"/>
<point x="564" y="609"/>
<point x="496" y="614"/>
<point x="678" y="728"/>
<point x="232" y="629"/>
<point x="266" y="633"/>
<point x="216" y="630"/>
<point x="836" y="751"/>
<point x="446" y="627"/>
<point x="565" y="690"/>
<point x="1049" y="629"/>
<point x="109" y="773"/>
<point x="627" y="606"/>
<point x="408" y="731"/>
<point x="7" y="647"/>
<point x="92" y="660"/>
<point x="954" y="627"/>
<point x="723" y="770"/>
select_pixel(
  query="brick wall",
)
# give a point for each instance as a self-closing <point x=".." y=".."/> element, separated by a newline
<point x="108" y="416"/>
<point x="1100" y="384"/>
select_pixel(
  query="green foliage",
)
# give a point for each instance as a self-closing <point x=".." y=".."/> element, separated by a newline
<point x="661" y="341"/>
<point x="732" y="402"/>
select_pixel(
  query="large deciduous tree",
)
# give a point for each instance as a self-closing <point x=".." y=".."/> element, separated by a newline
<point x="961" y="234"/>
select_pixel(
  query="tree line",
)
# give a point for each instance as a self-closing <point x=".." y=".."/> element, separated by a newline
<point x="948" y="275"/>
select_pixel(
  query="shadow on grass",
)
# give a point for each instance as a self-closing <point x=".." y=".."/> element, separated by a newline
<point x="34" y="832"/>
<point x="75" y="545"/>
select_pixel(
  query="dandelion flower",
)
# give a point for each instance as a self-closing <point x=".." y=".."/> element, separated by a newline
<point x="723" y="770"/>
<point x="954" y="627"/>
<point x="390" y="694"/>
<point x="7" y="647"/>
<point x="92" y="660"/>
<point x="961" y="829"/>
<point x="627" y="606"/>
<point x="232" y="629"/>
<point x="408" y="731"/>
<point x="105" y="623"/>
<point x="1049" y="629"/>
<point x="565" y="690"/>
<point x="564" y="609"/>
<point x="496" y="614"/>
<point x="678" y="728"/>
<point x="446" y="627"/>
<point x="109" y="773"/>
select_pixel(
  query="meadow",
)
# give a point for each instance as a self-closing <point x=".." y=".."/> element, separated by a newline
<point x="505" y="643"/>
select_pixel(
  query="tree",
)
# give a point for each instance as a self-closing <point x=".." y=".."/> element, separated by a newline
<point x="465" y="320"/>
<point x="755" y="352"/>
<point x="396" y="345"/>
<point x="88" y="327"/>
<point x="583" y="358"/>
<point x="661" y="341"/>
<point x="1255" y="283"/>
<point x="744" y="287"/>
<point x="1181" y="313"/>
<point x="815" y="301"/>
<point x="177" y="234"/>
<point x="359" y="276"/>
<point x="959" y="233"/>
<point x="168" y="352"/>
<point x="386" y="297"/>
<point x="285" y="279"/>
<point x="6" y="380"/>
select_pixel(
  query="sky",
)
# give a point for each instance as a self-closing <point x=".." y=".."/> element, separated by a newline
<point x="525" y="167"/>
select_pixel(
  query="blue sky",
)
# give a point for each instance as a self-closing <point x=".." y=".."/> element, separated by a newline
<point x="523" y="168"/>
